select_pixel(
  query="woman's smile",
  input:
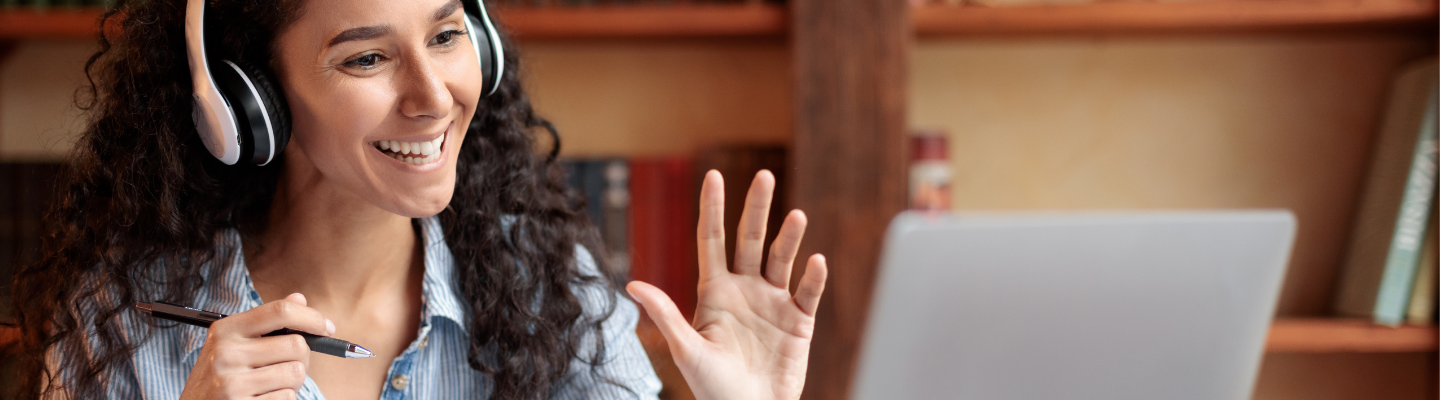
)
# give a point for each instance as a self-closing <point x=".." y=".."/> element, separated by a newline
<point x="419" y="153"/>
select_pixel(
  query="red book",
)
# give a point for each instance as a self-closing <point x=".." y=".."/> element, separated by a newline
<point x="663" y="207"/>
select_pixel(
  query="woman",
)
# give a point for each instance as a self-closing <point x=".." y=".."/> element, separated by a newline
<point x="468" y="274"/>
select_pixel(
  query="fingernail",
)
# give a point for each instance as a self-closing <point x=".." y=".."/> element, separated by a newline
<point x="329" y="327"/>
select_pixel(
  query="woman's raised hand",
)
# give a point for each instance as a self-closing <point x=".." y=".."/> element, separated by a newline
<point x="751" y="337"/>
<point x="237" y="362"/>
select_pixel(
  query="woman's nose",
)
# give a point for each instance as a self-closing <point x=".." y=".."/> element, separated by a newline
<point x="423" y="92"/>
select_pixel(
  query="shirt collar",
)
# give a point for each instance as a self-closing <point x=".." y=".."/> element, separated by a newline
<point x="441" y="298"/>
<point x="229" y="290"/>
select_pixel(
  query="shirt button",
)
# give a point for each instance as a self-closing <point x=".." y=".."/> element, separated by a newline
<point x="424" y="341"/>
<point x="399" y="382"/>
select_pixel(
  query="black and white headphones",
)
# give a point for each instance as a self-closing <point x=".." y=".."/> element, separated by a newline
<point x="240" y="112"/>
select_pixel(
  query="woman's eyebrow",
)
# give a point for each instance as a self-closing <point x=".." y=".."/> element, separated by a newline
<point x="447" y="9"/>
<point x="361" y="33"/>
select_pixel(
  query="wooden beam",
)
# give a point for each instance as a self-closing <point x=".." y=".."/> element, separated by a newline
<point x="850" y="60"/>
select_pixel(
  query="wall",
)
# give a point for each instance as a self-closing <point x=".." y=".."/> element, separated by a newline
<point x="1165" y="122"/>
<point x="661" y="97"/>
<point x="38" y="120"/>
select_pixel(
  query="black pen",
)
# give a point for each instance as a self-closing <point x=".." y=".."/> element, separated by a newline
<point x="202" y="318"/>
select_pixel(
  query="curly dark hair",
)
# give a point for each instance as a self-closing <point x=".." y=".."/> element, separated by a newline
<point x="141" y="192"/>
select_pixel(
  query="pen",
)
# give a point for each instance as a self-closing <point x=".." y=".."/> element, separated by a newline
<point x="202" y="318"/>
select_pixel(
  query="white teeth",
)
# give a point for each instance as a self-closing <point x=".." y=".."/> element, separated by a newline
<point x="417" y="153"/>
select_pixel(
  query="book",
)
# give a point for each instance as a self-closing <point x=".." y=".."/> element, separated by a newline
<point x="738" y="166"/>
<point x="1422" y="294"/>
<point x="616" y="205"/>
<point x="1394" y="207"/>
<point x="602" y="182"/>
<point x="664" y="207"/>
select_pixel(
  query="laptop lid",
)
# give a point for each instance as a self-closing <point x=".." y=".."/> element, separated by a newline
<point x="1123" y="305"/>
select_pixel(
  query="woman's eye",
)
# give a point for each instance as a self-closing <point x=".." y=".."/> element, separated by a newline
<point x="363" y="62"/>
<point x="446" y="38"/>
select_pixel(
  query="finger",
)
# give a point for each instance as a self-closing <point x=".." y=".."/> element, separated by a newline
<point x="289" y="312"/>
<point x="710" y="232"/>
<point x="782" y="252"/>
<point x="286" y="375"/>
<point x="666" y="316"/>
<point x="272" y="350"/>
<point x="750" y="235"/>
<point x="807" y="296"/>
<point x="282" y="394"/>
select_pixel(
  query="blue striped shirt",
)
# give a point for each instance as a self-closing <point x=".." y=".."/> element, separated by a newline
<point x="434" y="366"/>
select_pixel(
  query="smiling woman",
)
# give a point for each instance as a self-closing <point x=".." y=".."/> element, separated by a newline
<point x="407" y="206"/>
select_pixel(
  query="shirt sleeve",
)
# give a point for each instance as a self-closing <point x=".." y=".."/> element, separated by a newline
<point x="625" y="372"/>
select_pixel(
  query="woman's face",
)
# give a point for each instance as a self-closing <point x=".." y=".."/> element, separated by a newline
<point x="380" y="93"/>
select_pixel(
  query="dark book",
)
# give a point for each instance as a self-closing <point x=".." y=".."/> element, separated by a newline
<point x="738" y="165"/>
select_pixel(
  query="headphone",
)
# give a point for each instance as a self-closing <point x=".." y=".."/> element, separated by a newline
<point x="239" y="110"/>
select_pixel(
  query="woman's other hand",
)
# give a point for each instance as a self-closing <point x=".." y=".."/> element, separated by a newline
<point x="237" y="362"/>
<point x="751" y="337"/>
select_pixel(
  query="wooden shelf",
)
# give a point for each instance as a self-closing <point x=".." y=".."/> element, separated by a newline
<point x="28" y="23"/>
<point x="1332" y="335"/>
<point x="1181" y="16"/>
<point x="658" y="21"/>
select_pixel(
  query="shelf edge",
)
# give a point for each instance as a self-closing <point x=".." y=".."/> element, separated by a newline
<point x="1185" y="16"/>
<point x="1335" y="335"/>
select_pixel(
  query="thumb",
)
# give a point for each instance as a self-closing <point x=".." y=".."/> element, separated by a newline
<point x="663" y="311"/>
<point x="298" y="298"/>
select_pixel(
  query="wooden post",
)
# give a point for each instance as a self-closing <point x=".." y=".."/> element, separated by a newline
<point x="850" y="60"/>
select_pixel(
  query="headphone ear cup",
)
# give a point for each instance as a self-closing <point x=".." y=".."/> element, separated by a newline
<point x="481" y="40"/>
<point x="276" y="108"/>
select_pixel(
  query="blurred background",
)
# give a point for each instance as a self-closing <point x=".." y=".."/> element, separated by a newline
<point x="1004" y="104"/>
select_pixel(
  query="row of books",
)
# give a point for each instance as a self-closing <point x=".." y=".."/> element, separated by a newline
<point x="646" y="209"/>
<point x="1391" y="267"/>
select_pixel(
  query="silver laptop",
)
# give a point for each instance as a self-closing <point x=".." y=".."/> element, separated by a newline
<point x="1125" y="305"/>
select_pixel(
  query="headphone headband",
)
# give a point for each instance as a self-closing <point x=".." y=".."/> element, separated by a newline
<point x="212" y="115"/>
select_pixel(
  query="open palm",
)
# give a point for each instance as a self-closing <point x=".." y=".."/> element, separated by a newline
<point x="751" y="337"/>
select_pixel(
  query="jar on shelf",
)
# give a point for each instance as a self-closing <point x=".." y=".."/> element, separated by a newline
<point x="929" y="171"/>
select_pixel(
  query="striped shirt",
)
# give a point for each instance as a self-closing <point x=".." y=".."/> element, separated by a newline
<point x="434" y="366"/>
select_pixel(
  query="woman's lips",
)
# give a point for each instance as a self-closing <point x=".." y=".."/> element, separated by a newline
<point x="414" y="153"/>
